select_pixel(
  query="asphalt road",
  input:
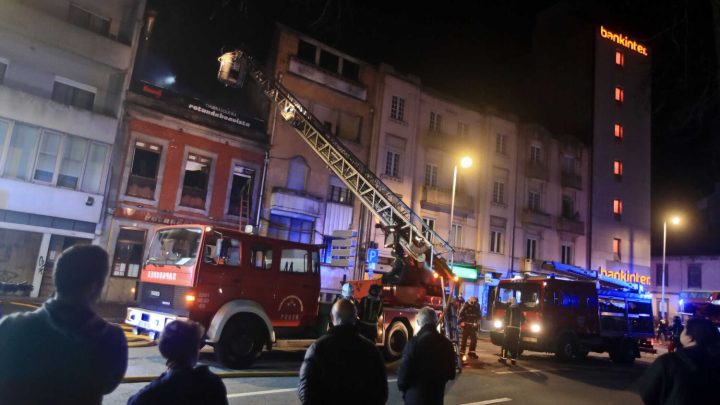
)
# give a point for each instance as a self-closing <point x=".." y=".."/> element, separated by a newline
<point x="537" y="379"/>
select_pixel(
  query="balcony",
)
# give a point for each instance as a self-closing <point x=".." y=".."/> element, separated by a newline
<point x="573" y="180"/>
<point x="536" y="170"/>
<point x="537" y="218"/>
<point x="465" y="256"/>
<point x="571" y="225"/>
<point x="439" y="199"/>
<point x="326" y="78"/>
<point x="443" y="141"/>
<point x="295" y="201"/>
<point x="54" y="32"/>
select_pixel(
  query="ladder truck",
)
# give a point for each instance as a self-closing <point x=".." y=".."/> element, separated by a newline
<point x="570" y="311"/>
<point x="419" y="273"/>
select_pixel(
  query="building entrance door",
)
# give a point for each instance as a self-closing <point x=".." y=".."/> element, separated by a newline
<point x="58" y="243"/>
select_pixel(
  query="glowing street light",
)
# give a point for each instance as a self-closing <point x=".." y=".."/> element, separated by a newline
<point x="675" y="220"/>
<point x="465" y="162"/>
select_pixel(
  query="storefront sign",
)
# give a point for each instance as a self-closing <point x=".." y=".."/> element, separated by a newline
<point x="626" y="276"/>
<point x="146" y="216"/>
<point x="623" y="40"/>
<point x="468" y="273"/>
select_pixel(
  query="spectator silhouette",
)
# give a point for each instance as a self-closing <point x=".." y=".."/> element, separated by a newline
<point x="343" y="367"/>
<point x="63" y="353"/>
<point x="689" y="375"/>
<point x="183" y="382"/>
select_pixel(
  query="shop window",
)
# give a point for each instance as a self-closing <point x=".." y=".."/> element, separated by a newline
<point x="128" y="257"/>
<point x="195" y="181"/>
<point x="144" y="171"/>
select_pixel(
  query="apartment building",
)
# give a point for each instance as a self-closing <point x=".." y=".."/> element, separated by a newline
<point x="64" y="68"/>
<point x="686" y="278"/>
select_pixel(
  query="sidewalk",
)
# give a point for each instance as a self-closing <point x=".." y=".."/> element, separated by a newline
<point x="110" y="311"/>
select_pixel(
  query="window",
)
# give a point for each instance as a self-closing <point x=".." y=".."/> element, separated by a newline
<point x="73" y="160"/>
<point x="616" y="249"/>
<point x="70" y="93"/>
<point x="392" y="164"/>
<point x="241" y="187"/>
<point x="306" y="51"/>
<point x="341" y="195"/>
<point x="3" y="70"/>
<point x="294" y="261"/>
<point x="496" y="241"/>
<point x="89" y="21"/>
<point x="21" y="153"/>
<point x="617" y="208"/>
<point x="95" y="168"/>
<point x="531" y="248"/>
<point x="534" y="201"/>
<point x="566" y="254"/>
<point x="297" y="174"/>
<point x="397" y="108"/>
<point x="659" y="275"/>
<point x="47" y="157"/>
<point x="195" y="181"/>
<point x="291" y="228"/>
<point x="535" y="154"/>
<point x="430" y="224"/>
<point x="456" y="235"/>
<point x="128" y="256"/>
<point x="435" y="122"/>
<point x="350" y="70"/>
<point x="568" y="207"/>
<point x="498" y="196"/>
<point x="261" y="257"/>
<point x="431" y="174"/>
<point x="617" y="169"/>
<point x="569" y="165"/>
<point x="694" y="276"/>
<point x="501" y="144"/>
<point x="619" y="59"/>
<point x="463" y="129"/>
<point x="329" y="61"/>
<point x="618" y="132"/>
<point x="144" y="171"/>
<point x="619" y="94"/>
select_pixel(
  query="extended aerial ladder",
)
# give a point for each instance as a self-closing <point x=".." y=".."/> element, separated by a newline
<point x="577" y="273"/>
<point x="407" y="231"/>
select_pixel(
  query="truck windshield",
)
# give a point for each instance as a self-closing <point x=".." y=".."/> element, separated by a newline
<point x="175" y="246"/>
<point x="527" y="295"/>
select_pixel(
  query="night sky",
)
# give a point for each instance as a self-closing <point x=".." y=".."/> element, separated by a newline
<point x="472" y="49"/>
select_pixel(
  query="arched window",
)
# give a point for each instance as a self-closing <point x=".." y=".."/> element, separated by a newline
<point x="297" y="173"/>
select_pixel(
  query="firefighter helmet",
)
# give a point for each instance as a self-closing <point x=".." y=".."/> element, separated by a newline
<point x="347" y="290"/>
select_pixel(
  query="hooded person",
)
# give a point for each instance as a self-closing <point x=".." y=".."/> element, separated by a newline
<point x="63" y="353"/>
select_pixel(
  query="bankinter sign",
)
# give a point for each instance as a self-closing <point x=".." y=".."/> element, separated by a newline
<point x="623" y="40"/>
<point x="625" y="276"/>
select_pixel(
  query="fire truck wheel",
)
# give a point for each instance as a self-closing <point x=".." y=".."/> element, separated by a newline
<point x="396" y="338"/>
<point x="566" y="347"/>
<point x="241" y="342"/>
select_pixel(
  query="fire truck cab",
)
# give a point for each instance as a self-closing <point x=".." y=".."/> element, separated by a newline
<point x="571" y="318"/>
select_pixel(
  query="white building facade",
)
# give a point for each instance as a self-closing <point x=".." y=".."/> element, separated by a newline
<point x="64" y="68"/>
<point x="687" y="278"/>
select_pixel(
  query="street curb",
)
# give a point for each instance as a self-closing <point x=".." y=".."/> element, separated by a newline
<point x="230" y="374"/>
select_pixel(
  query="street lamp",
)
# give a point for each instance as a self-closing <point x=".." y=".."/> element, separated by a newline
<point x="465" y="162"/>
<point x="675" y="221"/>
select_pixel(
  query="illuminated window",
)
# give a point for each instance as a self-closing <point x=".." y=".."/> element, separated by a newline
<point x="617" y="208"/>
<point x="619" y="94"/>
<point x="616" y="249"/>
<point x="619" y="59"/>
<point x="618" y="132"/>
<point x="617" y="169"/>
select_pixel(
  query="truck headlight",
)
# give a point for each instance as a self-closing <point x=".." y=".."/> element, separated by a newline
<point x="535" y="328"/>
<point x="497" y="324"/>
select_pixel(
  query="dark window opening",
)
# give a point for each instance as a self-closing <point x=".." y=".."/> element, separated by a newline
<point x="241" y="191"/>
<point x="195" y="183"/>
<point x="351" y="70"/>
<point x="329" y="61"/>
<point x="306" y="51"/>
<point x="143" y="174"/>
<point x="76" y="97"/>
<point x="89" y="21"/>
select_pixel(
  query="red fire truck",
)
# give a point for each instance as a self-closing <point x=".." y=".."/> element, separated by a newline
<point x="250" y="290"/>
<point x="570" y="311"/>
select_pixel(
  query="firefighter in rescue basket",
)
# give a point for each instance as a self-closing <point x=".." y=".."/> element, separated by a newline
<point x="469" y="318"/>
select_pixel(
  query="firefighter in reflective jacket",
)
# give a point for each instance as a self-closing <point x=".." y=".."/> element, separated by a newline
<point x="371" y="307"/>
<point x="514" y="318"/>
<point x="469" y="318"/>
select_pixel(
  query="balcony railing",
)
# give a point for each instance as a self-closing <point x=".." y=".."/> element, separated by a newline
<point x="439" y="199"/>
<point x="571" y="225"/>
<point x="536" y="170"/>
<point x="537" y="218"/>
<point x="568" y="179"/>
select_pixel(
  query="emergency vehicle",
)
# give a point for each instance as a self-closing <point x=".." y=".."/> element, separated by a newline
<point x="570" y="312"/>
<point x="250" y="290"/>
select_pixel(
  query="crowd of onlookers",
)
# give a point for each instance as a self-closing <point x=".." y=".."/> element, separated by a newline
<point x="63" y="353"/>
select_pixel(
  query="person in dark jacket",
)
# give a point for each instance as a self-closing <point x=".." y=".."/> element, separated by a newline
<point x="343" y="367"/>
<point x="428" y="363"/>
<point x="675" y="332"/>
<point x="469" y="320"/>
<point x="514" y="318"/>
<point x="691" y="374"/>
<point x="183" y="382"/>
<point x="63" y="353"/>
<point x="370" y="310"/>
